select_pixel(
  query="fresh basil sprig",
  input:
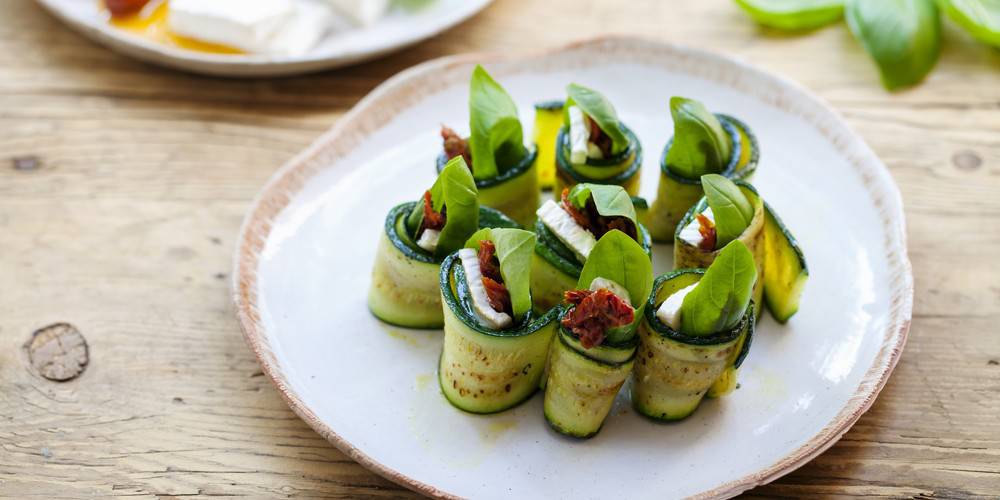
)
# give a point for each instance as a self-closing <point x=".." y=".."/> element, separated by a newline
<point x="722" y="295"/>
<point x="903" y="36"/>
<point x="456" y="189"/>
<point x="981" y="18"/>
<point x="598" y="108"/>
<point x="794" y="15"/>
<point x="700" y="146"/>
<point x="514" y="250"/>
<point x="496" y="134"/>
<point x="730" y="207"/>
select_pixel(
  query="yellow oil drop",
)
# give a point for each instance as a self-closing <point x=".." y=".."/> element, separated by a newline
<point x="151" y="24"/>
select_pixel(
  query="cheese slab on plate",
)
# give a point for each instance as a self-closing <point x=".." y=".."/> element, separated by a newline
<point x="357" y="30"/>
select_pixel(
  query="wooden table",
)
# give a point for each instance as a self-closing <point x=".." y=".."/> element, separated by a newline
<point x="122" y="187"/>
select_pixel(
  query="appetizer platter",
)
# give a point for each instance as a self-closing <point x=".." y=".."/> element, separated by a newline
<point x="251" y="38"/>
<point x="477" y="271"/>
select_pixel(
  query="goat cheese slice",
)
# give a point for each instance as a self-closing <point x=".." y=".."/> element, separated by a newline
<point x="308" y="24"/>
<point x="248" y="25"/>
<point x="669" y="312"/>
<point x="566" y="229"/>
<point x="487" y="316"/>
<point x="361" y="12"/>
<point x="429" y="239"/>
<point x="690" y="233"/>
<point x="579" y="135"/>
<point x="611" y="286"/>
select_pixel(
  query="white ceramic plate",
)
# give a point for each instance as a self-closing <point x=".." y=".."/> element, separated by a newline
<point x="303" y="263"/>
<point x="397" y="30"/>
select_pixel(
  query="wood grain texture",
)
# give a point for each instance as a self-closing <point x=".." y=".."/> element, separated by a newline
<point x="126" y="226"/>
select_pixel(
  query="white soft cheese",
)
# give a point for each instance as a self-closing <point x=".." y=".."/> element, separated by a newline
<point x="248" y="25"/>
<point x="303" y="30"/>
<point x="669" y="312"/>
<point x="361" y="12"/>
<point x="611" y="286"/>
<point x="488" y="317"/>
<point x="579" y="136"/>
<point x="690" y="233"/>
<point x="566" y="229"/>
<point x="429" y="239"/>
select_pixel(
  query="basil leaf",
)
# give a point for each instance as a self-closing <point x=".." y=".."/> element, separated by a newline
<point x="598" y="108"/>
<point x="794" y="15"/>
<point x="981" y="18"/>
<point x="619" y="258"/>
<point x="903" y="36"/>
<point x="731" y="208"/>
<point x="515" y="248"/>
<point x="700" y="146"/>
<point x="494" y="126"/>
<point x="455" y="189"/>
<point x="611" y="200"/>
<point x="722" y="295"/>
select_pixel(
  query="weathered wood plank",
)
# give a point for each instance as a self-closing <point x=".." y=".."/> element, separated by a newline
<point x="123" y="231"/>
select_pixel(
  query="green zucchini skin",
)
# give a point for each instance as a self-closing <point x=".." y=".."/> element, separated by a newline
<point x="515" y="192"/>
<point x="581" y="387"/>
<point x="687" y="255"/>
<point x="486" y="371"/>
<point x="786" y="269"/>
<point x="676" y="194"/>
<point x="404" y="289"/>
<point x="622" y="169"/>
<point x="673" y="371"/>
<point x="554" y="267"/>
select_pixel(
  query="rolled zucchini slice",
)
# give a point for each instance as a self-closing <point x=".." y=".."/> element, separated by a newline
<point x="404" y="289"/>
<point x="483" y="370"/>
<point x="674" y="371"/>
<point x="786" y="269"/>
<point x="621" y="169"/>
<point x="687" y="255"/>
<point x="548" y="121"/>
<point x="582" y="384"/>
<point x="555" y="268"/>
<point x="676" y="194"/>
<point x="514" y="191"/>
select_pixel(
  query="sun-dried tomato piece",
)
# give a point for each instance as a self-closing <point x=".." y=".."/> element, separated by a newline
<point x="498" y="294"/>
<point x="708" y="235"/>
<point x="594" y="313"/>
<point x="455" y="145"/>
<point x="122" y="8"/>
<point x="432" y="220"/>
<point x="599" y="138"/>
<point x="489" y="265"/>
<point x="591" y="220"/>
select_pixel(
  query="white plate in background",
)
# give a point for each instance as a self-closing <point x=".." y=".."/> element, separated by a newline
<point x="397" y="30"/>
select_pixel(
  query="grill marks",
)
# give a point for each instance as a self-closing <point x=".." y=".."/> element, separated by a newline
<point x="595" y="312"/>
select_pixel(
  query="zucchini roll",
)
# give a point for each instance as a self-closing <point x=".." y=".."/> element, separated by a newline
<point x="735" y="211"/>
<point x="417" y="236"/>
<point x="594" y="352"/>
<point x="568" y="230"/>
<point x="548" y="121"/>
<point x="594" y="146"/>
<point x="703" y="143"/>
<point x="504" y="169"/>
<point x="696" y="332"/>
<point x="495" y="348"/>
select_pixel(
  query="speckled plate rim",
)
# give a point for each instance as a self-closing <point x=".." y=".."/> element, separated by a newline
<point x="382" y="104"/>
<point x="248" y="66"/>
